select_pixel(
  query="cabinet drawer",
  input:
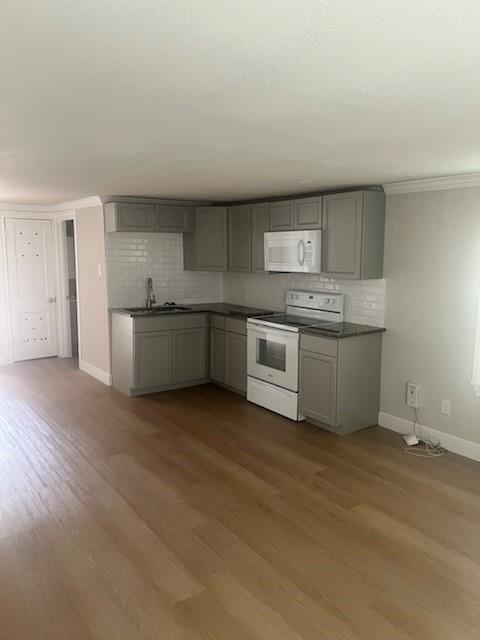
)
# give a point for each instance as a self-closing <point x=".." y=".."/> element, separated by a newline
<point x="170" y="323"/>
<point x="317" y="344"/>
<point x="236" y="325"/>
<point x="217" y="322"/>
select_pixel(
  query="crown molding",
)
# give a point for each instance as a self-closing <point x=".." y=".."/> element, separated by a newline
<point x="81" y="203"/>
<point x="459" y="181"/>
<point x="30" y="208"/>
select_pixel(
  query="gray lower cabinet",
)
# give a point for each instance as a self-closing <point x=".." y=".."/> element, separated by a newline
<point x="353" y="235"/>
<point x="156" y="353"/>
<point x="339" y="384"/>
<point x="205" y="249"/>
<point x="236" y="361"/>
<point x="240" y="238"/>
<point x="153" y="359"/>
<point x="228" y="352"/>
<point x="123" y="216"/>
<point x="217" y="355"/>
<point x="189" y="349"/>
<point x="260" y="225"/>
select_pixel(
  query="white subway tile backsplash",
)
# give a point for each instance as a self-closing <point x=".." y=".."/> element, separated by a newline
<point x="133" y="257"/>
<point x="364" y="299"/>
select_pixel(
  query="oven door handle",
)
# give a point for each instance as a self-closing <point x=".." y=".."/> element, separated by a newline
<point x="260" y="330"/>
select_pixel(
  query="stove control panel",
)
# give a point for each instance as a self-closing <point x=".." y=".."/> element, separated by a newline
<point x="315" y="300"/>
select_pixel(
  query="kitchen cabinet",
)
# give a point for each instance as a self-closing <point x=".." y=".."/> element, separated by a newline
<point x="205" y="248"/>
<point x="153" y="359"/>
<point x="308" y="213"/>
<point x="339" y="381"/>
<point x="260" y="225"/>
<point x="240" y="238"/>
<point x="147" y="218"/>
<point x="189" y="354"/>
<point x="156" y="353"/>
<point x="282" y="215"/>
<point x="217" y="355"/>
<point x="228" y="352"/>
<point x="302" y="213"/>
<point x="353" y="235"/>
<point x="123" y="216"/>
<point x="236" y="361"/>
<point x="173" y="219"/>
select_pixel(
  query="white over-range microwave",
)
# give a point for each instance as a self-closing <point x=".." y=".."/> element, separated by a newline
<point x="293" y="251"/>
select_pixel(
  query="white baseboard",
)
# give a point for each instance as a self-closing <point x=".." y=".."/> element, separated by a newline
<point x="454" y="444"/>
<point x="99" y="374"/>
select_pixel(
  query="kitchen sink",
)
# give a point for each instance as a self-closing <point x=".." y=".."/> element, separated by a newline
<point x="156" y="310"/>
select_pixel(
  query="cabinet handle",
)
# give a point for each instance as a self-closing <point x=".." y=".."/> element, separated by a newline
<point x="51" y="300"/>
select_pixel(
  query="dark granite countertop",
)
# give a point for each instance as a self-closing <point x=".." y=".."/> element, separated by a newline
<point x="220" y="308"/>
<point x="338" y="330"/>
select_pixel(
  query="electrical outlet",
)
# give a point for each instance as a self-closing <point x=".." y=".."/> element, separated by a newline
<point x="446" y="407"/>
<point x="413" y="395"/>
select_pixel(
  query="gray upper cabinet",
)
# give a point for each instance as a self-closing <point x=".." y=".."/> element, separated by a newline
<point x="173" y="219"/>
<point x="210" y="238"/>
<point x="120" y="216"/>
<point x="240" y="238"/>
<point x="304" y="213"/>
<point x="308" y="213"/>
<point x="260" y="225"/>
<point x="282" y="215"/>
<point x="353" y="235"/>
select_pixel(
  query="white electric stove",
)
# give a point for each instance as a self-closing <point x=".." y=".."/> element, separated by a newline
<point x="273" y="348"/>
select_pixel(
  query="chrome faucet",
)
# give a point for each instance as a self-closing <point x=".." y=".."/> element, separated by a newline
<point x="150" y="295"/>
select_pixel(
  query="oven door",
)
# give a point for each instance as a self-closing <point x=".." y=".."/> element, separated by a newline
<point x="272" y="355"/>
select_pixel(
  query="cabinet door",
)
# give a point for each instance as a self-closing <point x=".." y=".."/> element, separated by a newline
<point x="342" y="235"/>
<point x="172" y="219"/>
<point x="308" y="213"/>
<point x="153" y="359"/>
<point x="217" y="355"/>
<point x="317" y="386"/>
<point x="259" y="227"/>
<point x="236" y="361"/>
<point x="189" y="354"/>
<point x="211" y="238"/>
<point x="240" y="238"/>
<point x="134" y="217"/>
<point x="282" y="215"/>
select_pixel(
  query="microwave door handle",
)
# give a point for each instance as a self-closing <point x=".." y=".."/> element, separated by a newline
<point x="301" y="252"/>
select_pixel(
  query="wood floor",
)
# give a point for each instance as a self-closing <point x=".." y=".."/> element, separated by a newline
<point x="192" y="514"/>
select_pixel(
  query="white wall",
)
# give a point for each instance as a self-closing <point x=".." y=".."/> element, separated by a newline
<point x="364" y="302"/>
<point x="92" y="292"/>
<point x="4" y="341"/>
<point x="432" y="268"/>
<point x="133" y="257"/>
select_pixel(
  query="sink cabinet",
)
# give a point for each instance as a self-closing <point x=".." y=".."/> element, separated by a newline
<point x="156" y="353"/>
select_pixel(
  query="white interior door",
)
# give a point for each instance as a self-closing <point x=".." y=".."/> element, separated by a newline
<point x="31" y="288"/>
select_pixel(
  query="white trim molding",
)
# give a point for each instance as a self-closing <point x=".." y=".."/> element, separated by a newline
<point x="99" y="374"/>
<point x="462" y="447"/>
<point x="460" y="181"/>
<point x="91" y="201"/>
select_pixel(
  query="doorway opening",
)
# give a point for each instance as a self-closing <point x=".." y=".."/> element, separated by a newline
<point x="72" y="314"/>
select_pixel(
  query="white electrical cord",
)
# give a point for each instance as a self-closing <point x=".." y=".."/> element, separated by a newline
<point x="426" y="448"/>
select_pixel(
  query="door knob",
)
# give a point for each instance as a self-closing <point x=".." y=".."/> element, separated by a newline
<point x="52" y="299"/>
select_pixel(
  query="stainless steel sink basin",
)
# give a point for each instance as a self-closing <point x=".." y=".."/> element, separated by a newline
<point x="157" y="310"/>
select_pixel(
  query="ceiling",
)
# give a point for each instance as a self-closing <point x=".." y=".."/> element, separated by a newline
<point x="224" y="99"/>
